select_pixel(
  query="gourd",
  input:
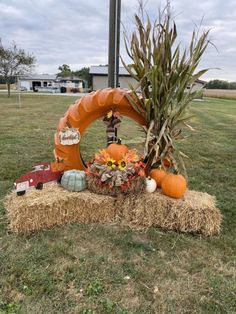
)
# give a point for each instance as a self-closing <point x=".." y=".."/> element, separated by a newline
<point x="174" y="185"/>
<point x="74" y="180"/>
<point x="117" y="151"/>
<point x="158" y="175"/>
<point x="150" y="185"/>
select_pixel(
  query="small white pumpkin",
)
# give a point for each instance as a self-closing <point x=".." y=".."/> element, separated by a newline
<point x="151" y="185"/>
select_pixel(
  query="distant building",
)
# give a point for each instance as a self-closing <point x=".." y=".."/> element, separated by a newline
<point x="99" y="76"/>
<point x="37" y="82"/>
<point x="32" y="81"/>
<point x="71" y="81"/>
<point x="197" y="85"/>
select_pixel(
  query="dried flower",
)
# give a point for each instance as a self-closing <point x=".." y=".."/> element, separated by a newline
<point x="141" y="173"/>
<point x="131" y="156"/>
<point x="102" y="156"/>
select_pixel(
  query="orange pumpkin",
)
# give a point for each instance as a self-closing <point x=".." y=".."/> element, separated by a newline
<point x="174" y="185"/>
<point x="117" y="151"/>
<point x="158" y="175"/>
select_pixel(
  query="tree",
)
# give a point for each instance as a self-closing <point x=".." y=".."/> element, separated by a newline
<point x="232" y="85"/>
<point x="64" y="71"/>
<point x="217" y="84"/>
<point x="14" y="61"/>
<point x="220" y="84"/>
<point x="84" y="74"/>
<point x="163" y="72"/>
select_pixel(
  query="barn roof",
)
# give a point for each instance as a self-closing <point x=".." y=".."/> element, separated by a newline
<point x="103" y="70"/>
<point x="36" y="77"/>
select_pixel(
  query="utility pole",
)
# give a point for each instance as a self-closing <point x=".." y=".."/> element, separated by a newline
<point x="114" y="43"/>
<point x="118" y="14"/>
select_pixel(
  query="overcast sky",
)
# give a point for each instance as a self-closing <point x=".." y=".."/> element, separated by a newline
<point x="75" y="32"/>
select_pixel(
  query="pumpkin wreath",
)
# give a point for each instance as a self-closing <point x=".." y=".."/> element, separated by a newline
<point x="111" y="173"/>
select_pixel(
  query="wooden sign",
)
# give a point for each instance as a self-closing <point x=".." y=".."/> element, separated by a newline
<point x="69" y="136"/>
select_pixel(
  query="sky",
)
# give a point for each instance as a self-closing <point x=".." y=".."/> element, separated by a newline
<point x="75" y="32"/>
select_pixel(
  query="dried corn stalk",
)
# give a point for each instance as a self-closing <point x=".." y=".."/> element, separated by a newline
<point x="163" y="73"/>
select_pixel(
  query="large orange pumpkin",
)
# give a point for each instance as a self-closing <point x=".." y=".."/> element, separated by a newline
<point x="117" y="151"/>
<point x="174" y="185"/>
<point x="158" y="175"/>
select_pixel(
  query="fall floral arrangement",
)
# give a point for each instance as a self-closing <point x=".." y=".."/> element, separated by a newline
<point x="116" y="169"/>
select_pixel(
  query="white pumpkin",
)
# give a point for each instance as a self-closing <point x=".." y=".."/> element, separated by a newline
<point x="151" y="185"/>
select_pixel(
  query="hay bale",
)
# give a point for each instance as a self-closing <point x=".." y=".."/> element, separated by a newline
<point x="55" y="206"/>
<point x="195" y="213"/>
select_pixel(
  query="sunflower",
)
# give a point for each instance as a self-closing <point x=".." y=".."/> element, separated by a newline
<point x="111" y="164"/>
<point x="121" y="164"/>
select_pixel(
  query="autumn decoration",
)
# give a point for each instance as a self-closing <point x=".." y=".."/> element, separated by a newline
<point x="158" y="175"/>
<point x="151" y="185"/>
<point x="174" y="185"/>
<point x="165" y="75"/>
<point x="74" y="180"/>
<point x="69" y="136"/>
<point x="117" y="150"/>
<point x="112" y="121"/>
<point x="116" y="169"/>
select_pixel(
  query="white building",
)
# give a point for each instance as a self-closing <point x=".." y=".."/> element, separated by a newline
<point x="37" y="82"/>
<point x="100" y="79"/>
<point x="197" y="85"/>
<point x="31" y="82"/>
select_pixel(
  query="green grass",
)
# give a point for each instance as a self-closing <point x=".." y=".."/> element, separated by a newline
<point x="106" y="268"/>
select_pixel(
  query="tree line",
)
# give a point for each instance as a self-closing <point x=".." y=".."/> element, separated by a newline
<point x="220" y="84"/>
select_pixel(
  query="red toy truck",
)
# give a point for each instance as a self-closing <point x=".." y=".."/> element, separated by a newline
<point x="40" y="175"/>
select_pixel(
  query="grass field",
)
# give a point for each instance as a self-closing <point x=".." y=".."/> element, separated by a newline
<point x="110" y="269"/>
<point x="4" y="86"/>
<point x="220" y="93"/>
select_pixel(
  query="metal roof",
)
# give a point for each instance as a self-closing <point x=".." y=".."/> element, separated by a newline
<point x="35" y="77"/>
<point x="103" y="70"/>
<point x="200" y="81"/>
<point x="69" y="78"/>
<point x="49" y="77"/>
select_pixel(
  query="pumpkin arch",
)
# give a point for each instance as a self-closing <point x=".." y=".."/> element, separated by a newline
<point x="84" y="112"/>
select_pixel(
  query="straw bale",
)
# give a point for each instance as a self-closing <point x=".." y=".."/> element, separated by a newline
<point x="55" y="206"/>
<point x="195" y="213"/>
